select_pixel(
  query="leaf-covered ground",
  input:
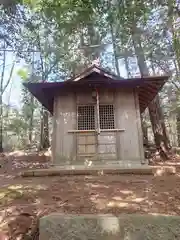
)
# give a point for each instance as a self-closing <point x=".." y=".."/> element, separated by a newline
<point x="22" y="200"/>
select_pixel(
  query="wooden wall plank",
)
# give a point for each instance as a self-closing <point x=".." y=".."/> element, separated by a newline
<point x="126" y="118"/>
<point x="64" y="149"/>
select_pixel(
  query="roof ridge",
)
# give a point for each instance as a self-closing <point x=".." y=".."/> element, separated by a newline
<point x="90" y="69"/>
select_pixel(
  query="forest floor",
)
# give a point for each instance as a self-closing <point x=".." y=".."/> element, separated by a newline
<point x="23" y="200"/>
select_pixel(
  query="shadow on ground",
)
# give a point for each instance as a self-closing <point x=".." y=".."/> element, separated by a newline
<point x="23" y="200"/>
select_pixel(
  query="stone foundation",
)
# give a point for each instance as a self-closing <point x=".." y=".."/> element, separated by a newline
<point x="99" y="170"/>
<point x="106" y="163"/>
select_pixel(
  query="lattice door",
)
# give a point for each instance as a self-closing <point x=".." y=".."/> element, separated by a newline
<point x="107" y="139"/>
<point x="87" y="139"/>
<point x="89" y="143"/>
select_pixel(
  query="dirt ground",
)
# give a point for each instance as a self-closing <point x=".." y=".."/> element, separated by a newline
<point x="23" y="200"/>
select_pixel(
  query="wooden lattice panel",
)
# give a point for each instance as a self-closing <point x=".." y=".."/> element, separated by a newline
<point x="106" y="115"/>
<point x="86" y="117"/>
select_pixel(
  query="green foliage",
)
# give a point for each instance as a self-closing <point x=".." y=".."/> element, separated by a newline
<point x="62" y="37"/>
<point x="23" y="73"/>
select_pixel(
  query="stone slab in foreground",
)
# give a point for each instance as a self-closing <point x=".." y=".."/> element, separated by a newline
<point x="108" y="227"/>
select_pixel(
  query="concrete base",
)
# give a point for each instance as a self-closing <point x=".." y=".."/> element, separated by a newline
<point x="105" y="163"/>
<point x="98" y="170"/>
<point x="108" y="227"/>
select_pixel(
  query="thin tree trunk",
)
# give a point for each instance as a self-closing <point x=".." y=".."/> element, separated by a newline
<point x="162" y="121"/>
<point x="44" y="126"/>
<point x="115" y="50"/>
<point x="1" y="124"/>
<point x="155" y="112"/>
<point x="145" y="131"/>
<point x="3" y="88"/>
<point x="44" y="134"/>
<point x="1" y="102"/>
<point x="41" y="130"/>
<point x="178" y="127"/>
<point x="42" y="111"/>
<point x="31" y="119"/>
<point x="173" y="20"/>
<point x="32" y="106"/>
<point x="46" y="144"/>
<point x="127" y="65"/>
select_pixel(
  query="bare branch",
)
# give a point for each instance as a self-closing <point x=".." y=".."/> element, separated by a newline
<point x="165" y="69"/>
<point x="177" y="87"/>
<point x="41" y="58"/>
<point x="51" y="68"/>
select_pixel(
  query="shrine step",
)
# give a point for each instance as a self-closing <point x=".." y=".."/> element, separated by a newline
<point x="100" y="170"/>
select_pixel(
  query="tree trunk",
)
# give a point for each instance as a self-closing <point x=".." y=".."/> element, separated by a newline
<point x="44" y="134"/>
<point x="155" y="112"/>
<point x="145" y="131"/>
<point x="1" y="124"/>
<point x="41" y="130"/>
<point x="31" y="119"/>
<point x="46" y="144"/>
<point x="173" y="15"/>
<point x="159" y="129"/>
<point x="115" y="50"/>
<point x="1" y="102"/>
<point x="44" y="127"/>
<point x="178" y="127"/>
<point x="126" y="62"/>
